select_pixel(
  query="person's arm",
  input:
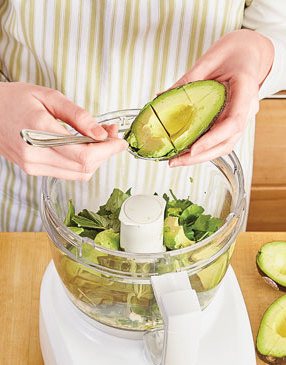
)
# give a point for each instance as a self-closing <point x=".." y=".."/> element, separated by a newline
<point x="241" y="60"/>
<point x="253" y="64"/>
<point x="25" y="106"/>
<point x="269" y="19"/>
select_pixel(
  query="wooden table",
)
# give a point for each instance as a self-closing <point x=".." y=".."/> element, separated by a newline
<point x="24" y="257"/>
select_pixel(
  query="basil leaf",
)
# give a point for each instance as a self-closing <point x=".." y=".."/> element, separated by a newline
<point x="70" y="214"/>
<point x="77" y="230"/>
<point x="202" y="223"/>
<point x="90" y="233"/>
<point x="128" y="192"/>
<point x="189" y="233"/>
<point x="173" y="195"/>
<point x="214" y="224"/>
<point x="191" y="210"/>
<point x="115" y="200"/>
<point x="165" y="196"/>
<point x="85" y="222"/>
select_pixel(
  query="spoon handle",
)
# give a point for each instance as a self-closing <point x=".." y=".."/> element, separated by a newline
<point x="45" y="139"/>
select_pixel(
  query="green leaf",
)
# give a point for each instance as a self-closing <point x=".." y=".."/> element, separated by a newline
<point x="85" y="222"/>
<point x="90" y="233"/>
<point x="102" y="211"/>
<point x="114" y="222"/>
<point x="76" y="230"/>
<point x="128" y="192"/>
<point x="179" y="205"/>
<point x="201" y="235"/>
<point x="173" y="195"/>
<point x="214" y="224"/>
<point x="165" y="196"/>
<point x="191" y="212"/>
<point x="175" y="212"/>
<point x="202" y="223"/>
<point x="189" y="233"/>
<point x="98" y="219"/>
<point x="115" y="200"/>
<point x="70" y="214"/>
<point x="84" y="213"/>
<point x="189" y="221"/>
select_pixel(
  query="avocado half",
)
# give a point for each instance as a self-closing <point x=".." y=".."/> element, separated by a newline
<point x="175" y="119"/>
<point x="271" y="338"/>
<point x="271" y="264"/>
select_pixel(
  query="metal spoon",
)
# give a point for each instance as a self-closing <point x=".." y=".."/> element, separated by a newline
<point x="45" y="139"/>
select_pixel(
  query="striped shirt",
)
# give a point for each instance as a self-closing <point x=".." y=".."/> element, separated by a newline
<point x="104" y="55"/>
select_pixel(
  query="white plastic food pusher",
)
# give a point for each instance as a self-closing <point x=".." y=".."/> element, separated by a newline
<point x="182" y="317"/>
<point x="141" y="224"/>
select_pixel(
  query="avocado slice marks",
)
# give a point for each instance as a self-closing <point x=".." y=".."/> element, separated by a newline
<point x="271" y="264"/>
<point x="174" y="120"/>
<point x="271" y="337"/>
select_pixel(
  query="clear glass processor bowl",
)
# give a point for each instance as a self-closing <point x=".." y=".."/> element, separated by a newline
<point x="114" y="287"/>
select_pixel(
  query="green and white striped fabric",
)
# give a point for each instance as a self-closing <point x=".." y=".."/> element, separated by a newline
<point x="105" y="55"/>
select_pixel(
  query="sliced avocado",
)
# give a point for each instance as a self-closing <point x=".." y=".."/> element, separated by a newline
<point x="212" y="275"/>
<point x="174" y="236"/>
<point x="174" y="110"/>
<point x="271" y="338"/>
<point x="176" y="119"/>
<point x="208" y="99"/>
<point x="147" y="136"/>
<point x="108" y="238"/>
<point x="271" y="264"/>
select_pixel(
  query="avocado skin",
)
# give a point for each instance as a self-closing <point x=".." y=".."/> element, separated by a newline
<point x="181" y="149"/>
<point x="270" y="281"/>
<point x="271" y="359"/>
<point x="261" y="337"/>
<point x="269" y="277"/>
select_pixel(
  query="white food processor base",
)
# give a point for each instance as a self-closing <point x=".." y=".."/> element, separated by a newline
<point x="69" y="337"/>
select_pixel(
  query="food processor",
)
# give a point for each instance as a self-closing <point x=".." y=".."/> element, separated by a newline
<point x="178" y="307"/>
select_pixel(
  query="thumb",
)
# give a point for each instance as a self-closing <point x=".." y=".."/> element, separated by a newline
<point x="197" y="72"/>
<point x="62" y="108"/>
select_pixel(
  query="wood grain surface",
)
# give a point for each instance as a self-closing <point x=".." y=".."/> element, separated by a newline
<point x="268" y="193"/>
<point x="24" y="257"/>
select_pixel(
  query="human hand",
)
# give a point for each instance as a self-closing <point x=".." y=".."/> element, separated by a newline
<point x="241" y="60"/>
<point x="36" y="107"/>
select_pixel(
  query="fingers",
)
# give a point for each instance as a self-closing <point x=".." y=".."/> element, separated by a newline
<point x="233" y="121"/>
<point x="84" y="152"/>
<point x="221" y="149"/>
<point x="112" y="130"/>
<point x="194" y="74"/>
<point x="62" y="108"/>
<point x="48" y="162"/>
<point x="46" y="156"/>
<point x="222" y="137"/>
<point x="57" y="172"/>
<point x="202" y="70"/>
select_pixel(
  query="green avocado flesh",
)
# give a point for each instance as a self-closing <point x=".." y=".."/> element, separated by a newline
<point x="154" y="140"/>
<point x="271" y="260"/>
<point x="271" y="338"/>
<point x="174" y="236"/>
<point x="176" y="119"/>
